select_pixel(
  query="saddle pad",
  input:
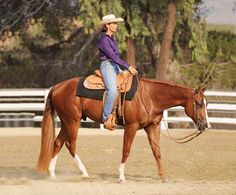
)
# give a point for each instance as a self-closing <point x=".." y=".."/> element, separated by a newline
<point x="98" y="94"/>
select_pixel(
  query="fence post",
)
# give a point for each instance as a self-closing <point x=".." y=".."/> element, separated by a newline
<point x="164" y="121"/>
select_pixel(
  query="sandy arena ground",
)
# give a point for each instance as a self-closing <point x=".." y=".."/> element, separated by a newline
<point x="206" y="165"/>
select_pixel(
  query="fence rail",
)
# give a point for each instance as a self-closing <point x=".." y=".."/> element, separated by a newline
<point x="25" y="107"/>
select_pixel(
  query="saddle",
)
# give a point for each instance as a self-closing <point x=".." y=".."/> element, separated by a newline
<point x="124" y="83"/>
<point x="95" y="81"/>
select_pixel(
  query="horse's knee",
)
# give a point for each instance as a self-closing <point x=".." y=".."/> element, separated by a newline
<point x="57" y="146"/>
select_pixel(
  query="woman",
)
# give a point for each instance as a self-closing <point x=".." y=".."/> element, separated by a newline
<point x="111" y="64"/>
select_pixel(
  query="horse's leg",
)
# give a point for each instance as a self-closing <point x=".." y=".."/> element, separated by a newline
<point x="58" y="143"/>
<point x="129" y="134"/>
<point x="153" y="133"/>
<point x="72" y="130"/>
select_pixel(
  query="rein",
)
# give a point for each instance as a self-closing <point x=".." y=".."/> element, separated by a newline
<point x="181" y="140"/>
<point x="178" y="140"/>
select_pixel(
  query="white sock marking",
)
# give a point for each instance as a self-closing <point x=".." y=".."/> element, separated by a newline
<point x="52" y="166"/>
<point x="122" y="172"/>
<point x="80" y="165"/>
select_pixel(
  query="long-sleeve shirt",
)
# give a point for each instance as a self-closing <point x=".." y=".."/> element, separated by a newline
<point x="108" y="49"/>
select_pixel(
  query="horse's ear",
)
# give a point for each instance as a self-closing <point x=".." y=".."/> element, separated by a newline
<point x="200" y="89"/>
<point x="197" y="91"/>
<point x="203" y="89"/>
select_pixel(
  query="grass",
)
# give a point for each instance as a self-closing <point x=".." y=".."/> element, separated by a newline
<point x="222" y="27"/>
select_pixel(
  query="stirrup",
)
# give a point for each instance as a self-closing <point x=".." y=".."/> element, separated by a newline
<point x="110" y="123"/>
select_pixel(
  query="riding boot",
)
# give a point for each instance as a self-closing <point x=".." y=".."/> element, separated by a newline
<point x="110" y="123"/>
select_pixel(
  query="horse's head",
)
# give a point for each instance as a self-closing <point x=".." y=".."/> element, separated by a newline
<point x="196" y="109"/>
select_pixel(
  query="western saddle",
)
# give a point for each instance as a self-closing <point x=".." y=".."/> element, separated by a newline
<point x="124" y="83"/>
<point x="95" y="81"/>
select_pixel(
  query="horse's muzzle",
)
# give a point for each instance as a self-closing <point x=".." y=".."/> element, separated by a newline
<point x="204" y="126"/>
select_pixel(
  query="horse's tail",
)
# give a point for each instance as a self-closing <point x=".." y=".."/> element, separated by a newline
<point x="47" y="136"/>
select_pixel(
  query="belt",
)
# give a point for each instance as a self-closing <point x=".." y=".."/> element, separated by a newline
<point x="108" y="60"/>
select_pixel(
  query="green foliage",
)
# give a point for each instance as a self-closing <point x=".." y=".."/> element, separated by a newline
<point x="209" y="55"/>
<point x="214" y="75"/>
<point x="198" y="44"/>
<point x="40" y="56"/>
<point x="19" y="74"/>
<point x="222" y="28"/>
<point x="52" y="27"/>
<point x="89" y="15"/>
<point x="91" y="11"/>
<point x="190" y="34"/>
<point x="219" y="69"/>
<point x="222" y="45"/>
<point x="134" y="19"/>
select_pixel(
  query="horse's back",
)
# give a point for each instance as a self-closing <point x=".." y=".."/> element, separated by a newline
<point x="67" y="85"/>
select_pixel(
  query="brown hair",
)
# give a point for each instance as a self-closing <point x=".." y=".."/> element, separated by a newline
<point x="104" y="28"/>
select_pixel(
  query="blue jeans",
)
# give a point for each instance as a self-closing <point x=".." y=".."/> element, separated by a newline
<point x="109" y="71"/>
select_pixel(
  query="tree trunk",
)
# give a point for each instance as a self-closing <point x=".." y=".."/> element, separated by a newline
<point x="130" y="54"/>
<point x="164" y="58"/>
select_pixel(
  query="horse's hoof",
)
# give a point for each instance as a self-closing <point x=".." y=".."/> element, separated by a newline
<point x="164" y="180"/>
<point x="121" y="181"/>
<point x="53" y="176"/>
<point x="85" y="175"/>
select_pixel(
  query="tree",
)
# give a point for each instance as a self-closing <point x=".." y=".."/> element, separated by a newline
<point x="164" y="58"/>
<point x="134" y="27"/>
<point x="60" y="40"/>
<point x="55" y="40"/>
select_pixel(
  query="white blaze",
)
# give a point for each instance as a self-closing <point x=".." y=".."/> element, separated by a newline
<point x="207" y="119"/>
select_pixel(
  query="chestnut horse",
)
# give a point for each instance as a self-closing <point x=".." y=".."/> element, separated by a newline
<point x="144" y="111"/>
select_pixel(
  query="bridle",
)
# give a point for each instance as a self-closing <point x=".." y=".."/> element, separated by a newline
<point x="189" y="137"/>
<point x="198" y="122"/>
<point x="181" y="140"/>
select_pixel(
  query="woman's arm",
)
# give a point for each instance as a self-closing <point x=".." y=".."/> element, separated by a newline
<point x="104" y="46"/>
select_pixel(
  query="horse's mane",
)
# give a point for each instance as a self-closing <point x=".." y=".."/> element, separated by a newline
<point x="164" y="82"/>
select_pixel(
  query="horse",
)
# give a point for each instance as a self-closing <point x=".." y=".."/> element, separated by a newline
<point x="144" y="111"/>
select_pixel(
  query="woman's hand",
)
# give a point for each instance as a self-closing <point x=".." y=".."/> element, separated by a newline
<point x="132" y="70"/>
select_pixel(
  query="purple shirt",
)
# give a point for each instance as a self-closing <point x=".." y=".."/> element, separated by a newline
<point x="108" y="49"/>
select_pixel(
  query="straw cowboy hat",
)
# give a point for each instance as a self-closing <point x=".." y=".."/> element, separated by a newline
<point x="109" y="19"/>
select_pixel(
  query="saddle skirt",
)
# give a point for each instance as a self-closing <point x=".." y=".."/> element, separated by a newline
<point x="95" y="81"/>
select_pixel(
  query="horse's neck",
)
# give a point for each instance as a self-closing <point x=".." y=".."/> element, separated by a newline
<point x="165" y="95"/>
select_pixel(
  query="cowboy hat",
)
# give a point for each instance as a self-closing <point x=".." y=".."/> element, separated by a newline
<point x="109" y="19"/>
